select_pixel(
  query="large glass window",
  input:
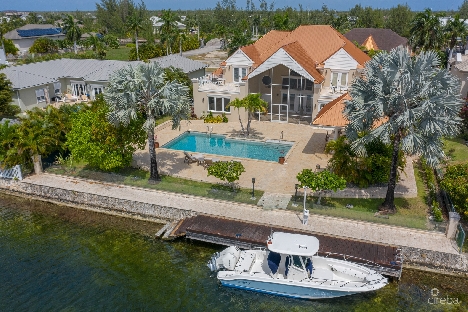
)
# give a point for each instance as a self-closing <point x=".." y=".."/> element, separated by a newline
<point x="239" y="73"/>
<point x="218" y="104"/>
<point x="78" y="88"/>
<point x="295" y="83"/>
<point x="339" y="79"/>
<point x="40" y="95"/>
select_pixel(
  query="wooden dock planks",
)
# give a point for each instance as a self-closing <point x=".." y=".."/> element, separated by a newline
<point x="246" y="235"/>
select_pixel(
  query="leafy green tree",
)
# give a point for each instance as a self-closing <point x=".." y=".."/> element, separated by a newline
<point x="426" y="31"/>
<point x="463" y="9"/>
<point x="6" y="93"/>
<point x="101" y="144"/>
<point x="177" y="75"/>
<point x="72" y="30"/>
<point x="111" y="41"/>
<point x="44" y="45"/>
<point x="135" y="24"/>
<point x="97" y="45"/>
<point x="8" y="135"/>
<point x="399" y="19"/>
<point x="371" y="169"/>
<point x="143" y="89"/>
<point x="236" y="40"/>
<point x="147" y="51"/>
<point x="252" y="103"/>
<point x="229" y="171"/>
<point x="416" y="102"/>
<point x="9" y="47"/>
<point x="168" y="29"/>
<point x="320" y="181"/>
<point x="455" y="28"/>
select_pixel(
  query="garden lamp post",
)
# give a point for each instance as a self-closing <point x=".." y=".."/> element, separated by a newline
<point x="296" y="186"/>
<point x="253" y="188"/>
<point x="305" y="217"/>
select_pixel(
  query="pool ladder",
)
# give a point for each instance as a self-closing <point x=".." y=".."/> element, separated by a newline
<point x="209" y="130"/>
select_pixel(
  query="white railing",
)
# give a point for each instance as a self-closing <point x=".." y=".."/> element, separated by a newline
<point x="12" y="173"/>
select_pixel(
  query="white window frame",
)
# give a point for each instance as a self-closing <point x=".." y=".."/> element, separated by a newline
<point x="339" y="78"/>
<point x="75" y="86"/>
<point x="223" y="98"/>
<point x="40" y="95"/>
<point x="94" y="88"/>
<point x="242" y="72"/>
<point x="302" y="81"/>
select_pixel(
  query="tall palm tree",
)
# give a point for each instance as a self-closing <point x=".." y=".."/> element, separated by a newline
<point x="455" y="28"/>
<point x="168" y="29"/>
<point x="135" y="24"/>
<point x="72" y="30"/>
<point x="426" y="31"/>
<point x="144" y="88"/>
<point x="416" y="103"/>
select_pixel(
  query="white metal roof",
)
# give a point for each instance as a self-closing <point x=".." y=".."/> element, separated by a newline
<point x="185" y="64"/>
<point x="294" y="244"/>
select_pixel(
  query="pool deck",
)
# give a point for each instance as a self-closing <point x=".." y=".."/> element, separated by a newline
<point x="307" y="152"/>
<point x="275" y="179"/>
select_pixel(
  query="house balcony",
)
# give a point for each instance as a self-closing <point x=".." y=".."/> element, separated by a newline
<point x="217" y="85"/>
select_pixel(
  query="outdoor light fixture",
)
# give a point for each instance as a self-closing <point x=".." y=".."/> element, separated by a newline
<point x="253" y="188"/>
<point x="305" y="217"/>
<point x="296" y="186"/>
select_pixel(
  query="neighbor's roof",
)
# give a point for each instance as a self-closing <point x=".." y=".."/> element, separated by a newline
<point x="37" y="74"/>
<point x="185" y="64"/>
<point x="310" y="44"/>
<point x="34" y="30"/>
<point x="332" y="113"/>
<point x="386" y="39"/>
<point x="293" y="244"/>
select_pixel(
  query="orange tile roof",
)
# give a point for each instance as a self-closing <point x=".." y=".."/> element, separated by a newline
<point x="313" y="44"/>
<point x="332" y="113"/>
<point x="219" y="71"/>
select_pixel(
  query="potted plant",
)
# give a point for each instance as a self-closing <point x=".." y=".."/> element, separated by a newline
<point x="281" y="158"/>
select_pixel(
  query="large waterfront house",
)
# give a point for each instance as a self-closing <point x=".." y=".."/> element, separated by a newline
<point x="297" y="73"/>
<point x="37" y="84"/>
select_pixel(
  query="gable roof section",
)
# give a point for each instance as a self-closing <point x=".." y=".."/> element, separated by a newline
<point x="300" y="56"/>
<point x="332" y="113"/>
<point x="386" y="39"/>
<point x="370" y="43"/>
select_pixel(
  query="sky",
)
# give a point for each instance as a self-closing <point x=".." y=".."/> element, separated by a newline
<point x="340" y="5"/>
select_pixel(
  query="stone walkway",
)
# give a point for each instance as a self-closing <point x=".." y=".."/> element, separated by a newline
<point x="335" y="226"/>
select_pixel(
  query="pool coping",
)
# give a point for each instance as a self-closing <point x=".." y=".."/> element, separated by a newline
<point x="225" y="135"/>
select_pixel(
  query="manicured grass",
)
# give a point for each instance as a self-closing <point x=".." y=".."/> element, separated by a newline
<point x="456" y="149"/>
<point x="411" y="212"/>
<point x="139" y="178"/>
<point x="120" y="54"/>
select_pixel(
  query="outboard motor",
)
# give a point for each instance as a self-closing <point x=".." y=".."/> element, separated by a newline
<point x="225" y="259"/>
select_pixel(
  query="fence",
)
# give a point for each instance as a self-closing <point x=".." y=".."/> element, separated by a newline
<point x="12" y="173"/>
<point x="460" y="238"/>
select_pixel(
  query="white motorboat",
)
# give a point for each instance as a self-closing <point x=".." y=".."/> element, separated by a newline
<point x="290" y="267"/>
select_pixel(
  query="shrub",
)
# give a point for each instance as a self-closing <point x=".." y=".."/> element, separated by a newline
<point x="374" y="168"/>
<point x="226" y="171"/>
<point x="146" y="51"/>
<point x="436" y="212"/>
<point x="455" y="183"/>
<point x="321" y="181"/>
<point x="44" y="45"/>
<point x="212" y="119"/>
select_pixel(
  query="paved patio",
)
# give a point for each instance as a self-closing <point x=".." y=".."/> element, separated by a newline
<point x="271" y="177"/>
<point x="307" y="152"/>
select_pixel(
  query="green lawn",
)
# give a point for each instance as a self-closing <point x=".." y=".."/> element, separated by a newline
<point x="411" y="212"/>
<point x="456" y="149"/>
<point x="120" y="54"/>
<point x="139" y="178"/>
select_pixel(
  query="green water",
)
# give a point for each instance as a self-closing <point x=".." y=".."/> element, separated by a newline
<point x="55" y="258"/>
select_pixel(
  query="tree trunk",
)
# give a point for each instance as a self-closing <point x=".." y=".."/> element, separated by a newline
<point x="74" y="46"/>
<point x="242" y="125"/>
<point x="248" y="123"/>
<point x="136" y="45"/>
<point x="389" y="203"/>
<point x="154" y="174"/>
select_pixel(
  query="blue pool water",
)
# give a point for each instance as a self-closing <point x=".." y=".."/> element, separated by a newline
<point x="220" y="145"/>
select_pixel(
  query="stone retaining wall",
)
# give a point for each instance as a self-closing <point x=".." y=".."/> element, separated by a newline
<point x="125" y="206"/>
<point x="439" y="261"/>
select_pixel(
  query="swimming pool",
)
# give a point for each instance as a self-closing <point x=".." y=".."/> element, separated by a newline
<point x="220" y="145"/>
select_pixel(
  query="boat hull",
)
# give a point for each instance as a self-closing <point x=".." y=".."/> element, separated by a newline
<point x="291" y="291"/>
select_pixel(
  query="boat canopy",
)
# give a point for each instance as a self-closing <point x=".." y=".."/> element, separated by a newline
<point x="293" y="244"/>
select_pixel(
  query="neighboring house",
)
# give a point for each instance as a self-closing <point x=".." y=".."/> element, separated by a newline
<point x="376" y="38"/>
<point x="459" y="68"/>
<point x="297" y="73"/>
<point x="193" y="69"/>
<point x="157" y="23"/>
<point x="37" y="84"/>
<point x="24" y="37"/>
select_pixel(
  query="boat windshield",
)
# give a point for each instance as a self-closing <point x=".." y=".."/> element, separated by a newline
<point x="273" y="261"/>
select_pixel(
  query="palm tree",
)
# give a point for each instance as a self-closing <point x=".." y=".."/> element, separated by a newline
<point x="144" y="88"/>
<point x="415" y="102"/>
<point x="252" y="103"/>
<point x="135" y="24"/>
<point x="168" y="29"/>
<point x="455" y="28"/>
<point x="72" y="30"/>
<point x="426" y="31"/>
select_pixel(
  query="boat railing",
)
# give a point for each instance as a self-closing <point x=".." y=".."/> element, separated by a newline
<point x="348" y="257"/>
<point x="317" y="280"/>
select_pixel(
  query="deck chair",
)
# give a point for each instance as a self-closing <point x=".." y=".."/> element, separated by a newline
<point x="84" y="98"/>
<point x="208" y="162"/>
<point x="69" y="98"/>
<point x="189" y="158"/>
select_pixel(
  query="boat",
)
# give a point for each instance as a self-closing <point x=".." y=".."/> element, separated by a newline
<point x="290" y="267"/>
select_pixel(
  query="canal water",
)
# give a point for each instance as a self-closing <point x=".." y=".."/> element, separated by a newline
<point x="55" y="258"/>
